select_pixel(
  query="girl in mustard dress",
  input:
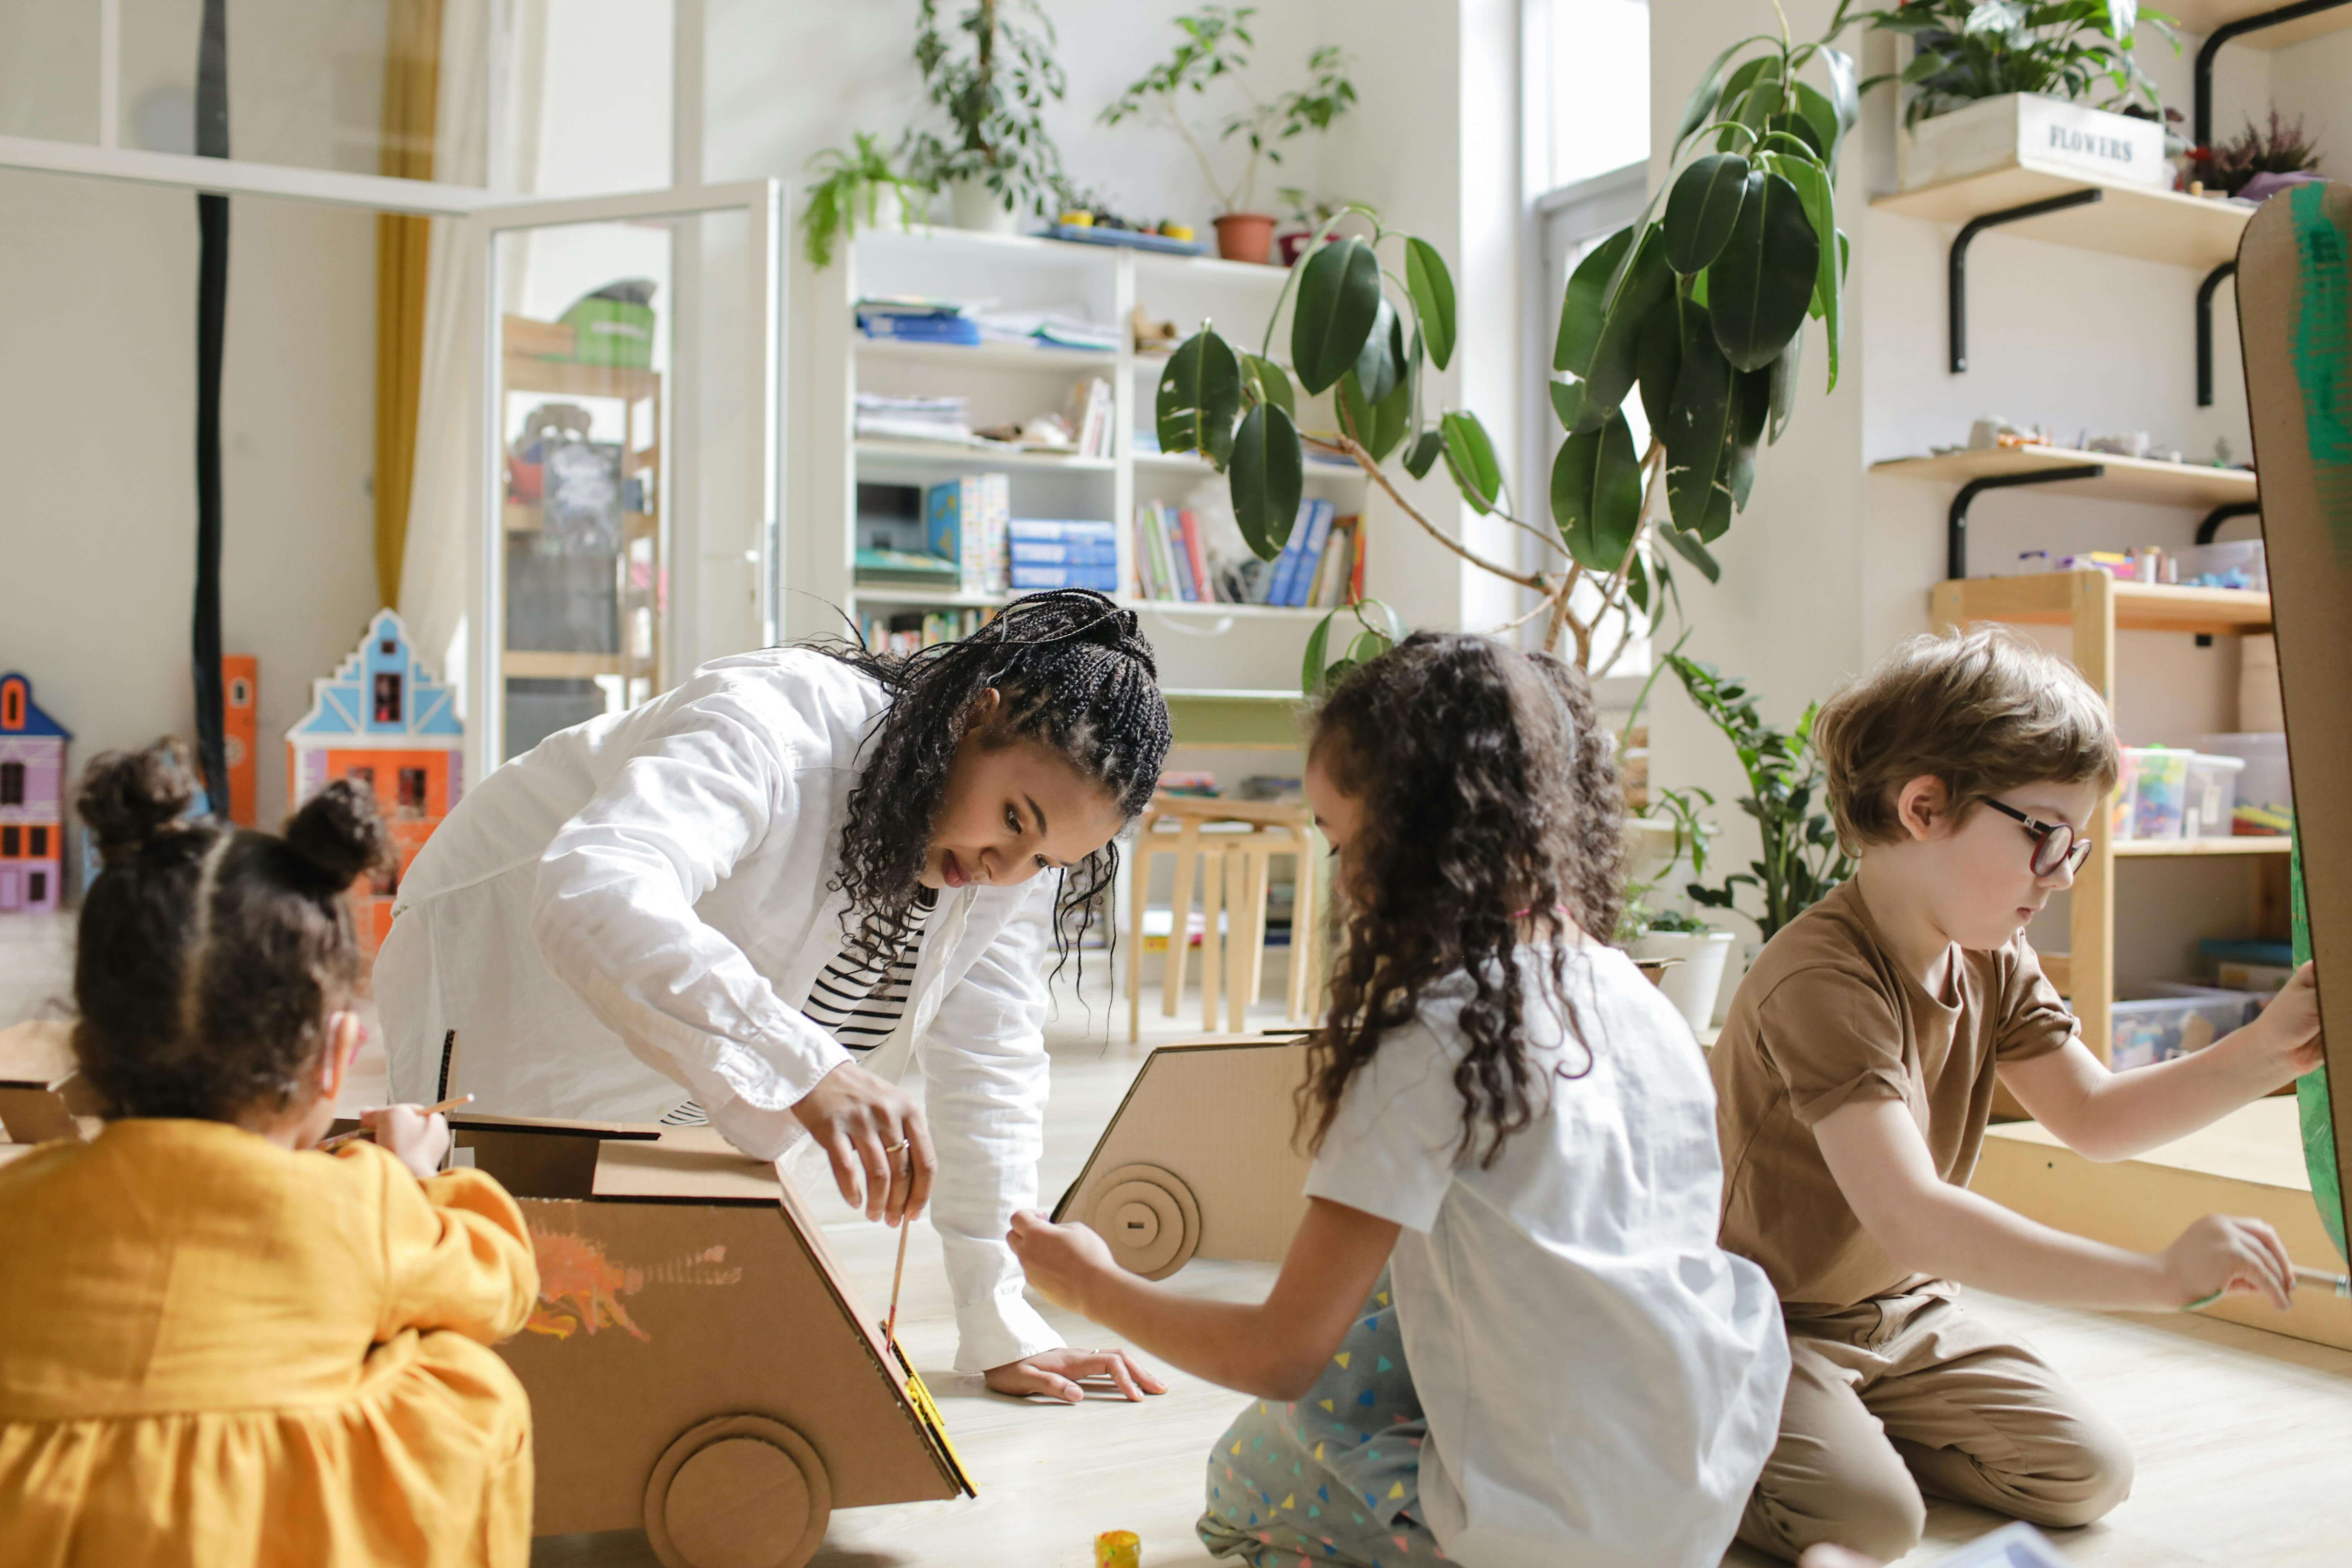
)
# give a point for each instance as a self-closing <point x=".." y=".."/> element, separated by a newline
<point x="217" y="1346"/>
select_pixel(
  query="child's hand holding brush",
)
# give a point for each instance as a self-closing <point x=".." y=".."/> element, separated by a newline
<point x="415" y="1135"/>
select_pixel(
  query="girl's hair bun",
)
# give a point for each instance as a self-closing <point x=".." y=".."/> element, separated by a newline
<point x="130" y="798"/>
<point x="341" y="833"/>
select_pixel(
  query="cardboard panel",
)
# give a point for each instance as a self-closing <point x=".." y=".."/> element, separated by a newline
<point x="2294" y="299"/>
<point x="1220" y="1115"/>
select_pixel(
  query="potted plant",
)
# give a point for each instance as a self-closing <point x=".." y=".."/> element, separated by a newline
<point x="1306" y="213"/>
<point x="1692" y="952"/>
<point x="2257" y="164"/>
<point x="1214" y="40"/>
<point x="863" y="183"/>
<point x="991" y="73"/>
<point x="1699" y="305"/>
<point x="1995" y="82"/>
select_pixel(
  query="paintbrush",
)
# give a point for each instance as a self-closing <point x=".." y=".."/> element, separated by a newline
<point x="340" y="1138"/>
<point x="897" y="1278"/>
<point x="2320" y="1278"/>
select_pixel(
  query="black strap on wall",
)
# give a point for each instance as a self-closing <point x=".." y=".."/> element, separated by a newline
<point x="212" y="321"/>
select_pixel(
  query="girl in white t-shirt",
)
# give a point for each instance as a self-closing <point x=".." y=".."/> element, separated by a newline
<point x="1504" y="1332"/>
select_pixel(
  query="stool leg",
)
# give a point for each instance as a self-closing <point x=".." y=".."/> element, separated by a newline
<point x="1214" y="873"/>
<point x="1180" y="930"/>
<point x="1302" y="935"/>
<point x="1139" y="870"/>
<point x="1247" y="957"/>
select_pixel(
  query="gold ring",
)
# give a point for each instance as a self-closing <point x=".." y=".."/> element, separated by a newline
<point x="894" y="1148"/>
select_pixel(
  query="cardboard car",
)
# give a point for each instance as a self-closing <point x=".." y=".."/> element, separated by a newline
<point x="697" y="1366"/>
<point x="1200" y="1159"/>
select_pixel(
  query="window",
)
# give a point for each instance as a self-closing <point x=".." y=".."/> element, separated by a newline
<point x="36" y="888"/>
<point x="12" y="706"/>
<point x="10" y="846"/>
<point x="411" y="791"/>
<point x="12" y="783"/>
<point x="36" y="843"/>
<point x="240" y="693"/>
<point x="387" y="699"/>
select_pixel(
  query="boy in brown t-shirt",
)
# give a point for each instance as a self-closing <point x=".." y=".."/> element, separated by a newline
<point x="1855" y="1078"/>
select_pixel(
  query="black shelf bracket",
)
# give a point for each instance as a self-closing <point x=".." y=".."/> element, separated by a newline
<point x="2201" y="122"/>
<point x="1956" y="521"/>
<point x="2221" y="514"/>
<point x="1956" y="268"/>
<point x="2205" y="292"/>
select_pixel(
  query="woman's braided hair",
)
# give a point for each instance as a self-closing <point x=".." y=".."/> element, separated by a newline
<point x="1075" y="675"/>
<point x="1490" y="806"/>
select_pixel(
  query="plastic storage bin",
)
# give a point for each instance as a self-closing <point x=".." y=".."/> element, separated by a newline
<point x="2175" y="1021"/>
<point x="2211" y="799"/>
<point x="2158" y="793"/>
<point x="2238" y="564"/>
<point x="2265" y="800"/>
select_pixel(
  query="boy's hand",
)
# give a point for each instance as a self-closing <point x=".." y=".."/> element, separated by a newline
<point x="2289" y="1024"/>
<point x="2220" y="1253"/>
<point x="416" y="1141"/>
<point x="1060" y="1260"/>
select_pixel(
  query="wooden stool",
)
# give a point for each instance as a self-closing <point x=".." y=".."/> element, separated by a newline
<point x="1236" y="869"/>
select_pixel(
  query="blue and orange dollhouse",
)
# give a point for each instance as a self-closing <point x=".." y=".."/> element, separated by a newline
<point x="32" y="801"/>
<point x="384" y="719"/>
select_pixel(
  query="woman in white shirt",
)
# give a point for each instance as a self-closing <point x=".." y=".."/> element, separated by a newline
<point x="758" y="898"/>
<point x="1503" y="1331"/>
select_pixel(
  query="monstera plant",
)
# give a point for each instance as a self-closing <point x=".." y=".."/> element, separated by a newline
<point x="1698" y="308"/>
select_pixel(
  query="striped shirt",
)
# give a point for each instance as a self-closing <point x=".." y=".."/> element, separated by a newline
<point x="859" y="1000"/>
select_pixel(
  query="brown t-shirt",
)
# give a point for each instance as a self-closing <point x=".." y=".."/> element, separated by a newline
<point x="1825" y="1016"/>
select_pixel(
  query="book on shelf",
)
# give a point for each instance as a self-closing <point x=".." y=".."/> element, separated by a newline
<point x="905" y="567"/>
<point x="1322" y="567"/>
<point x="967" y="517"/>
<point x="1051" y="552"/>
<point x="906" y="632"/>
<point x="1300" y="553"/>
<point x="1196" y="556"/>
<point x="1088" y="416"/>
<point x="959" y="331"/>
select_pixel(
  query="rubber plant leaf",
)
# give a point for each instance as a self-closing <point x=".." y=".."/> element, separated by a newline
<point x="1338" y="300"/>
<point x="1759" y="289"/>
<point x="1422" y="455"/>
<point x="1270" y="382"/>
<point x="1701" y="209"/>
<point x="1432" y="288"/>
<point x="1200" y="397"/>
<point x="1688" y="547"/>
<point x="1609" y="375"/>
<point x="1581" y="307"/>
<point x="1751" y="406"/>
<point x="1311" y="666"/>
<point x="1267" y="479"/>
<point x="1818" y="197"/>
<point x="1697" y="423"/>
<point x="1392" y="414"/>
<point x="1784" y="387"/>
<point x="1379" y="363"/>
<point x="1657" y="359"/>
<point x="1470" y="455"/>
<point x="1596" y="495"/>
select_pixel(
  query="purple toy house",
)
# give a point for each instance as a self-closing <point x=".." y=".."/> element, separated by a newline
<point x="32" y="801"/>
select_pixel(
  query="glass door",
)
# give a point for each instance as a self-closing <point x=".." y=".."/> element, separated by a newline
<point x="633" y="477"/>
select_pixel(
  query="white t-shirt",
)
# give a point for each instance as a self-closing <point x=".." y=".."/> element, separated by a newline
<point x="1602" y="1382"/>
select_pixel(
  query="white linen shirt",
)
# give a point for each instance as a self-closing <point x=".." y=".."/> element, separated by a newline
<point x="1602" y="1382"/>
<point x="632" y="914"/>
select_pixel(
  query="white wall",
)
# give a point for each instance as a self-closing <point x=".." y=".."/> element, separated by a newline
<point x="97" y="415"/>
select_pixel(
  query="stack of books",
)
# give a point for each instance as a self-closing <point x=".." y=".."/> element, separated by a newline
<point x="966" y="520"/>
<point x="882" y="416"/>
<point x="906" y="632"/>
<point x="1322" y="567"/>
<point x="1088" y="416"/>
<point x="1075" y="552"/>
<point x="909" y="319"/>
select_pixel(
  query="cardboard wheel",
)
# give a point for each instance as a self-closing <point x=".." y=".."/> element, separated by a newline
<point x="1150" y="1217"/>
<point x="738" y="1491"/>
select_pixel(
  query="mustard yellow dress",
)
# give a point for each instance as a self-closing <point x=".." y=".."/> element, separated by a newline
<point x="215" y="1351"/>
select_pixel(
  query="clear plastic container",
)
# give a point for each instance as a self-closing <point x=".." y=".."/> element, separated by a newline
<point x="2263" y="787"/>
<point x="2211" y="796"/>
<point x="2238" y="564"/>
<point x="2153" y="807"/>
<point x="2175" y="1020"/>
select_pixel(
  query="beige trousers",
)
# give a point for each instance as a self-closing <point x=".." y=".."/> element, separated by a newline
<point x="1909" y="1394"/>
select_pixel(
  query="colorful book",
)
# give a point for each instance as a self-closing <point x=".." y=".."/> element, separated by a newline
<point x="1204" y="589"/>
<point x="1030" y="578"/>
<point x="1163" y="546"/>
<point x="1298" y="559"/>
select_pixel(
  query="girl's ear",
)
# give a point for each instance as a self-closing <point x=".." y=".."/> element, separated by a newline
<point x="1922" y="808"/>
<point x="342" y="1046"/>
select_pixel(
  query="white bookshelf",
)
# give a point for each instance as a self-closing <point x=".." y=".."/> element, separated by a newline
<point x="1215" y="646"/>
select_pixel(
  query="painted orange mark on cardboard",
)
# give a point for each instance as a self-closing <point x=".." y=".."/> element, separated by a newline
<point x="579" y="1288"/>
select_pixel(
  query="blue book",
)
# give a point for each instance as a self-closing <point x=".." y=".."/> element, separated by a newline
<point x="1295" y="564"/>
<point x="1029" y="577"/>
<point x="1066" y="552"/>
<point x="962" y="330"/>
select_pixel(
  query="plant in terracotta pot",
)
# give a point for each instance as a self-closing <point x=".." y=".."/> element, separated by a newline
<point x="991" y="72"/>
<point x="1214" y="50"/>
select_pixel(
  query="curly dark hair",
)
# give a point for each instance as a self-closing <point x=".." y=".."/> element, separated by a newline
<point x="1075" y="674"/>
<point x="210" y="958"/>
<point x="1490" y="805"/>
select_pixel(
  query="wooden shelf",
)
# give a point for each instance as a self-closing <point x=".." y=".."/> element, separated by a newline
<point x="2128" y="220"/>
<point x="2051" y="598"/>
<point x="994" y="355"/>
<point x="2201" y="17"/>
<point x="523" y="517"/>
<point x="2127" y="478"/>
<point x="949" y="454"/>
<point x="566" y="378"/>
<point x="2178" y="848"/>
<point x="528" y="663"/>
<point x="1160" y="264"/>
<point x="1192" y="463"/>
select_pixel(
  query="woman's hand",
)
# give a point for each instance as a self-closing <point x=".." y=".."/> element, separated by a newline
<point x="2289" y="1024"/>
<point x="1061" y="1260"/>
<point x="1067" y="1374"/>
<point x="2221" y="1253"/>
<point x="873" y="1133"/>
<point x="415" y="1140"/>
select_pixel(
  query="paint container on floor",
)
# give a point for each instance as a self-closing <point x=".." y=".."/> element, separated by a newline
<point x="1118" y="1549"/>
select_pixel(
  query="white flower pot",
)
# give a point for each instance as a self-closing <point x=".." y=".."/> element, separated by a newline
<point x="889" y="212"/>
<point x="2027" y="131"/>
<point x="980" y="208"/>
<point x="1692" y="984"/>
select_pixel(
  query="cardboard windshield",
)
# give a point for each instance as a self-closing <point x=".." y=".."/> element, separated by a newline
<point x="2294" y="320"/>
<point x="42" y="1095"/>
<point x="692" y="1327"/>
<point x="1200" y="1159"/>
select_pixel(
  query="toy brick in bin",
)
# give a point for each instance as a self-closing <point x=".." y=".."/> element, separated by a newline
<point x="1201" y="1160"/>
<point x="696" y="1363"/>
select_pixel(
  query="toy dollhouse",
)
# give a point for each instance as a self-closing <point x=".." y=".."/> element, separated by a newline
<point x="240" y="737"/>
<point x="32" y="801"/>
<point x="382" y="720"/>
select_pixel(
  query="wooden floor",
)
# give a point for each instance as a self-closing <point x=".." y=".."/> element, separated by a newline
<point x="2243" y="1436"/>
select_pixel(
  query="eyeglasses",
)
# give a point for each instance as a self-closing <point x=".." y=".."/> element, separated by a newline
<point x="2055" y="847"/>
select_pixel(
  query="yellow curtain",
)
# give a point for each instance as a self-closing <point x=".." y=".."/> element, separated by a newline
<point x="412" y="79"/>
